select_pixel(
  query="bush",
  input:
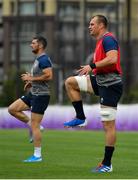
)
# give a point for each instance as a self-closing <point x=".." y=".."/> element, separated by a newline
<point x="12" y="88"/>
<point x="131" y="97"/>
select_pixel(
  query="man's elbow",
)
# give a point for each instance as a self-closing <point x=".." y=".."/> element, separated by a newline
<point x="50" y="77"/>
<point x="113" y="61"/>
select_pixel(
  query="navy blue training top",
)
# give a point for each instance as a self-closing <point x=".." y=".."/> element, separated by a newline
<point x="110" y="43"/>
<point x="44" y="61"/>
<point x="40" y="63"/>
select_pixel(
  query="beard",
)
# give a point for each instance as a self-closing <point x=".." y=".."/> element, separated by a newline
<point x="35" y="51"/>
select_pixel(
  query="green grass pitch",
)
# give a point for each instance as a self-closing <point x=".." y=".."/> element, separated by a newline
<point x="66" y="155"/>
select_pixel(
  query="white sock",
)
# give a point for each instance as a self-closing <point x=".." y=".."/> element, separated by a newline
<point x="37" y="151"/>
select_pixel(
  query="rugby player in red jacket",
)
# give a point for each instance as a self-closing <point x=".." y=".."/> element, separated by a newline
<point x="106" y="82"/>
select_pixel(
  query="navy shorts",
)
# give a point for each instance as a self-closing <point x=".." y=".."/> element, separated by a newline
<point x="109" y="95"/>
<point x="37" y="103"/>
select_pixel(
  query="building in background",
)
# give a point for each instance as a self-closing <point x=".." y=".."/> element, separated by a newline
<point x="65" y="24"/>
<point x="23" y="19"/>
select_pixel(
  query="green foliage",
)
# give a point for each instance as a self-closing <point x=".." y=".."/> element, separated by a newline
<point x="131" y="96"/>
<point x="12" y="88"/>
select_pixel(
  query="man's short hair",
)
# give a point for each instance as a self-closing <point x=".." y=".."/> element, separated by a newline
<point x="41" y="40"/>
<point x="101" y="19"/>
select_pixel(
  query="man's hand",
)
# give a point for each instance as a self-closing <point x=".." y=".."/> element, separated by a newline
<point x="26" y="77"/>
<point x="84" y="70"/>
<point x="27" y="85"/>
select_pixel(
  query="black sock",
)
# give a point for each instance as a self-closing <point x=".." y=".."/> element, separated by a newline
<point x="108" y="155"/>
<point x="78" y="106"/>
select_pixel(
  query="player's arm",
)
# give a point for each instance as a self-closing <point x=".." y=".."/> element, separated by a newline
<point x="46" y="76"/>
<point x="111" y="58"/>
<point x="111" y="49"/>
<point x="46" y="66"/>
<point x="27" y="85"/>
<point x="110" y="46"/>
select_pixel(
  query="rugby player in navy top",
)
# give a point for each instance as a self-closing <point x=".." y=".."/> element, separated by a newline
<point x="106" y="83"/>
<point x="38" y="94"/>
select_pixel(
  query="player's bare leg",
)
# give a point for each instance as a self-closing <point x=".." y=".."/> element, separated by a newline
<point x="110" y="138"/>
<point x="108" y="115"/>
<point x="110" y="133"/>
<point x="16" y="109"/>
<point x="73" y="91"/>
<point x="35" y="124"/>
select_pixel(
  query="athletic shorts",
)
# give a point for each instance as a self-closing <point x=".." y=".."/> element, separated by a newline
<point x="109" y="95"/>
<point x="37" y="103"/>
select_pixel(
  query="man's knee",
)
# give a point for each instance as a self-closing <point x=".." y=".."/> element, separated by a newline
<point x="11" y="110"/>
<point x="108" y="114"/>
<point x="70" y="82"/>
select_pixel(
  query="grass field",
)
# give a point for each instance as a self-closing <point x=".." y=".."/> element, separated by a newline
<point x="66" y="155"/>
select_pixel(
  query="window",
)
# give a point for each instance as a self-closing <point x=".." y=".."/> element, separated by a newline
<point x="69" y="17"/>
<point x="68" y="53"/>
<point x="27" y="8"/>
<point x="25" y="52"/>
<point x="69" y="11"/>
<point x="67" y="32"/>
<point x="28" y="29"/>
